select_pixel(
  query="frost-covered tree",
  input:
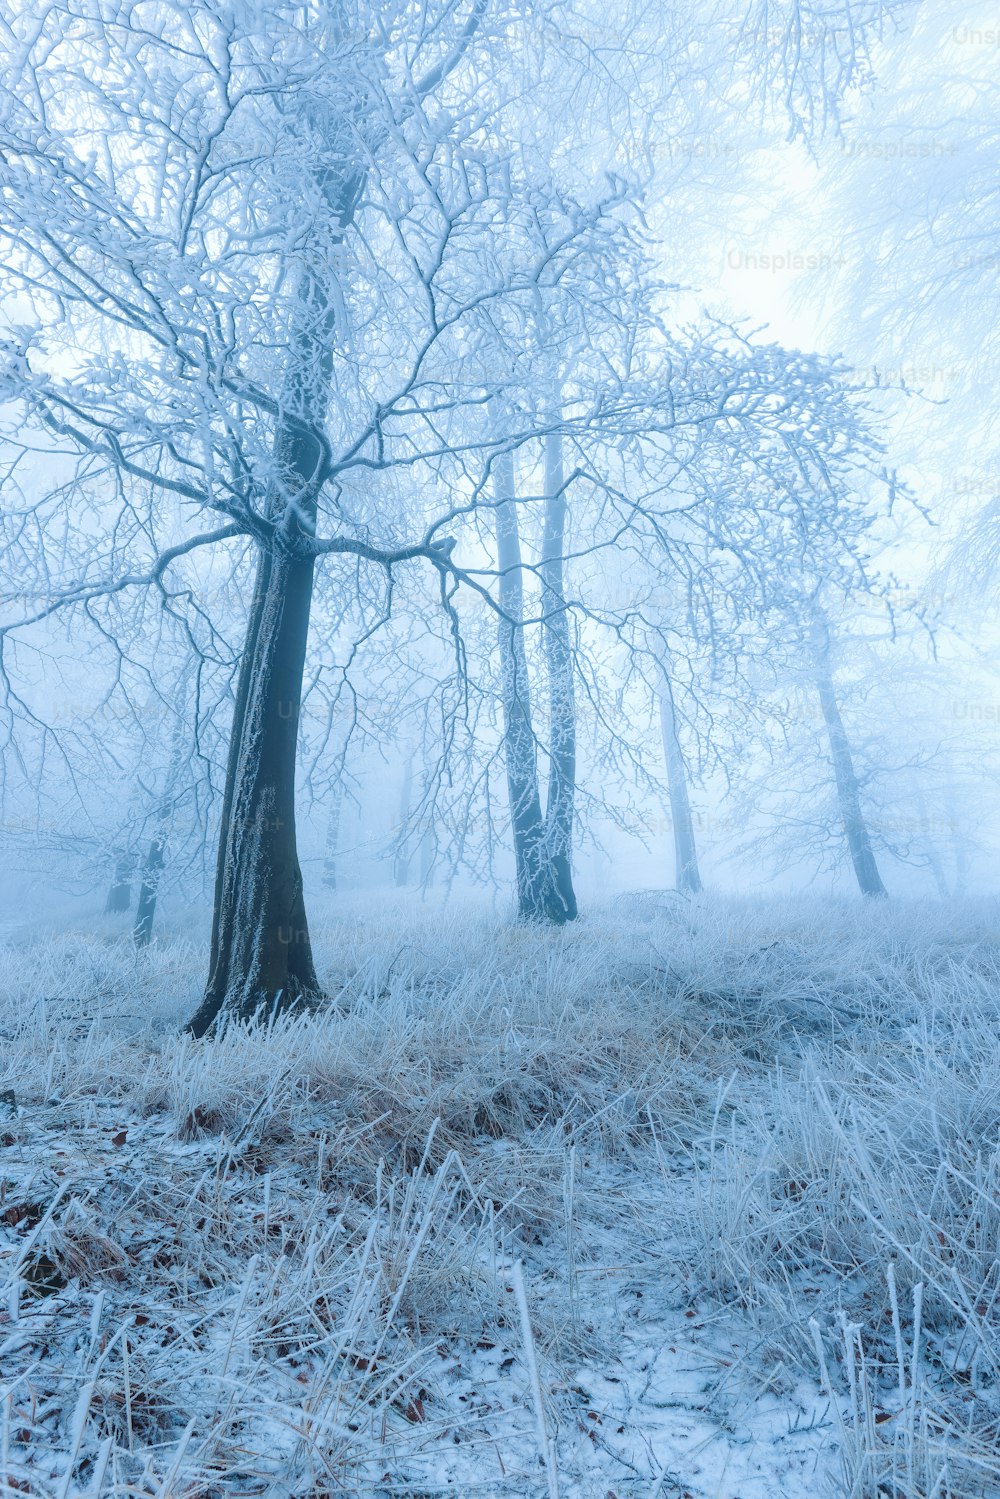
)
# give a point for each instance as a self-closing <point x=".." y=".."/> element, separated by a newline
<point x="238" y="243"/>
<point x="922" y="750"/>
<point x="250" y="255"/>
<point x="755" y="516"/>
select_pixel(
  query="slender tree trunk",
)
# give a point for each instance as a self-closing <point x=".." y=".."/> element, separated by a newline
<point x="937" y="873"/>
<point x="686" y="873"/>
<point x="427" y="858"/>
<point x="537" y="896"/>
<point x="401" y="859"/>
<point x="561" y="792"/>
<point x="120" y="894"/>
<point x="848" y="792"/>
<point x="261" y="950"/>
<point x="427" y="846"/>
<point x="152" y="870"/>
<point x="333" y="835"/>
<point x="932" y="856"/>
<point x="961" y="853"/>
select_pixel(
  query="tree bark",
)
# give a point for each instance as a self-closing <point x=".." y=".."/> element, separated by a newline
<point x="120" y="894"/>
<point x="538" y="899"/>
<point x="261" y="950"/>
<point x="848" y="791"/>
<point x="261" y="954"/>
<point x="561" y="791"/>
<point x="152" y="870"/>
<point x="687" y="876"/>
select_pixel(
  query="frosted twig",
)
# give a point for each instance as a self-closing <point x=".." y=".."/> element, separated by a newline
<point x="545" y="1445"/>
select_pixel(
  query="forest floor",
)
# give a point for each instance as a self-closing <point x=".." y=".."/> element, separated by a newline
<point x="692" y="1199"/>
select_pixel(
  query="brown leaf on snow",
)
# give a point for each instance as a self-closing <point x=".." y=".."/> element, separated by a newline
<point x="414" y="1410"/>
<point x="28" y="1213"/>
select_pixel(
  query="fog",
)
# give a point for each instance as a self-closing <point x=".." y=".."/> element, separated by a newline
<point x="624" y="356"/>
<point x="499" y="763"/>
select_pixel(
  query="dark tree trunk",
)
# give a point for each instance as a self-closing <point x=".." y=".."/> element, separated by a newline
<point x="538" y="899"/>
<point x="120" y="894"/>
<point x="686" y="873"/>
<point x="561" y="793"/>
<point x="848" y="791"/>
<point x="261" y="952"/>
<point x="261" y="955"/>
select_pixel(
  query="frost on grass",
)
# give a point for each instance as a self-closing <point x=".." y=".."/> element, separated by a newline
<point x="692" y="1198"/>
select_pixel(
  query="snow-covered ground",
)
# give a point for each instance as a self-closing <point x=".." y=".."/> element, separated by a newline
<point x="690" y="1199"/>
